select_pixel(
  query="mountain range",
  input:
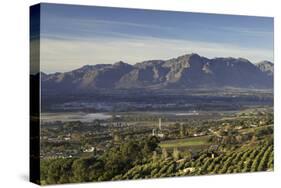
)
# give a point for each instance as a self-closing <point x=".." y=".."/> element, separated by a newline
<point x="184" y="72"/>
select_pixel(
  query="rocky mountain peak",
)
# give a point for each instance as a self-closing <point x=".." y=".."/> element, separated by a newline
<point x="183" y="72"/>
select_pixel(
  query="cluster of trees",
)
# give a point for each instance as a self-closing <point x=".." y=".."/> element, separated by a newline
<point x="264" y="131"/>
<point x="117" y="160"/>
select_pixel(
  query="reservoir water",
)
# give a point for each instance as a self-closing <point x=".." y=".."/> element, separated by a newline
<point x="74" y="116"/>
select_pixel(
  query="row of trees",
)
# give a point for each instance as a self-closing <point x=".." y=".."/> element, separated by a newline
<point x="248" y="159"/>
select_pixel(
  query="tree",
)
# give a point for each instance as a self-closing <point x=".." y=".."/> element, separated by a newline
<point x="176" y="154"/>
<point x="81" y="170"/>
<point x="59" y="171"/>
<point x="182" y="131"/>
<point x="165" y="154"/>
<point x="150" y="145"/>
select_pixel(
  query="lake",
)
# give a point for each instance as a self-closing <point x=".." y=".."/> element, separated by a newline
<point x="74" y="116"/>
<point x="89" y="117"/>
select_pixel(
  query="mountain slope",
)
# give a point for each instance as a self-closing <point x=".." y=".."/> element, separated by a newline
<point x="187" y="71"/>
<point x="266" y="66"/>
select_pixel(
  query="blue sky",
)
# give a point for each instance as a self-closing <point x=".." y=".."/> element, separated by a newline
<point x="72" y="36"/>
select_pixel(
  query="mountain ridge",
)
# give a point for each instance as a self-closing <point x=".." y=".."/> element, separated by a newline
<point x="183" y="72"/>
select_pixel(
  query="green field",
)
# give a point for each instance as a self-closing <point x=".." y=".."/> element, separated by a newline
<point x="186" y="142"/>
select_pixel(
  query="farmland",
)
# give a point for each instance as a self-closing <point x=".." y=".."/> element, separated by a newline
<point x="187" y="142"/>
<point x="146" y="145"/>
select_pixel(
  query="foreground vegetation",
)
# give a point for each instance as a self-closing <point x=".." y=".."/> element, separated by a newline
<point x="81" y="152"/>
<point x="141" y="160"/>
<point x="251" y="159"/>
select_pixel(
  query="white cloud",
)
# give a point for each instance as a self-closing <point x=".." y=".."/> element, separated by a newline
<point x="59" y="55"/>
<point x="249" y="32"/>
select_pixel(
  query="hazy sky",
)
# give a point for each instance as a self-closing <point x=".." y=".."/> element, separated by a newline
<point x="73" y="36"/>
